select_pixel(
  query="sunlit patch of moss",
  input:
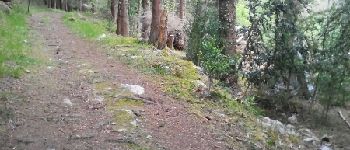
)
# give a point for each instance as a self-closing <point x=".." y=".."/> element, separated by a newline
<point x="179" y="88"/>
<point x="124" y="120"/>
<point x="127" y="103"/>
<point x="258" y="136"/>
<point x="294" y="139"/>
<point x="272" y="138"/>
<point x="102" y="86"/>
<point x="181" y="68"/>
<point x="130" y="145"/>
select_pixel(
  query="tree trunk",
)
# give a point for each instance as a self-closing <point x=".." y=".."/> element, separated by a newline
<point x="55" y="4"/>
<point x="170" y="41"/>
<point x="80" y="5"/>
<point x="28" y="5"/>
<point x="123" y="19"/>
<point x="155" y="22"/>
<point x="145" y="24"/>
<point x="113" y="9"/>
<point x="162" y="39"/>
<point x="52" y="4"/>
<point x="66" y="5"/>
<point x="227" y="16"/>
<point x="60" y="4"/>
<point x="49" y="4"/>
<point x="181" y="9"/>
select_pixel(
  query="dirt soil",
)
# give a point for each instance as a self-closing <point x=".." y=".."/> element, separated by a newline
<point x="59" y="107"/>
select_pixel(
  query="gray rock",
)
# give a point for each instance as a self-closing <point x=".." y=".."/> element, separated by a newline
<point x="67" y="102"/>
<point x="325" y="147"/>
<point x="274" y="124"/>
<point x="4" y="8"/>
<point x="135" y="89"/>
<point x="293" y="119"/>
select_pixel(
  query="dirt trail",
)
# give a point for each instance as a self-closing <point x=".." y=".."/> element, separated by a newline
<point x="57" y="107"/>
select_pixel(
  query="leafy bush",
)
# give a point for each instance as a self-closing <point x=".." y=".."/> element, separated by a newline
<point x="215" y="64"/>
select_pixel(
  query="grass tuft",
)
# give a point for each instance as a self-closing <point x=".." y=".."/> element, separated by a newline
<point x="14" y="47"/>
<point x="84" y="27"/>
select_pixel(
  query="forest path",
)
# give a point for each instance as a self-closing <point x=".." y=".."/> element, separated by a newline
<point x="64" y="105"/>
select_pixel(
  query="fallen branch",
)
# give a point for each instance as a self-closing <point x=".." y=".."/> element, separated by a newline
<point x="342" y="117"/>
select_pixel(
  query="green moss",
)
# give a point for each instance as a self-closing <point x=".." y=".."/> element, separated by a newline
<point x="131" y="145"/>
<point x="272" y="138"/>
<point x="126" y="103"/>
<point x="123" y="120"/>
<point x="294" y="139"/>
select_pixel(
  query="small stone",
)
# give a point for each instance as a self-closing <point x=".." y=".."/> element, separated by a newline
<point x="325" y="147"/>
<point x="293" y="119"/>
<point x="67" y="102"/>
<point x="310" y="141"/>
<point x="161" y="124"/>
<point x="135" y="89"/>
<point x="27" y="71"/>
<point x="99" y="99"/>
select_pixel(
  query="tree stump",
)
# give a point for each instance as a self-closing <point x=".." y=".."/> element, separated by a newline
<point x="170" y="41"/>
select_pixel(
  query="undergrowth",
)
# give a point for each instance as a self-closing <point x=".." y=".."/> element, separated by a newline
<point x="14" y="45"/>
<point x="85" y="28"/>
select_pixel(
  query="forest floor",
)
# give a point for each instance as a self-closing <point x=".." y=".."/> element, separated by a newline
<point x="61" y="105"/>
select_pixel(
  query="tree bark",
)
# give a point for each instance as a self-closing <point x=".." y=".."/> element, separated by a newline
<point x="52" y="4"/>
<point x="65" y="3"/>
<point x="60" y="4"/>
<point x="162" y="39"/>
<point x="55" y="4"/>
<point x="49" y="4"/>
<point x="145" y="25"/>
<point x="28" y="5"/>
<point x="170" y="41"/>
<point x="113" y="9"/>
<point x="123" y="19"/>
<point x="227" y="16"/>
<point x="155" y="22"/>
<point x="181" y="9"/>
<point x="80" y="5"/>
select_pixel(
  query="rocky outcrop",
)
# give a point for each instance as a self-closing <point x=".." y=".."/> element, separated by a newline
<point x="308" y="139"/>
